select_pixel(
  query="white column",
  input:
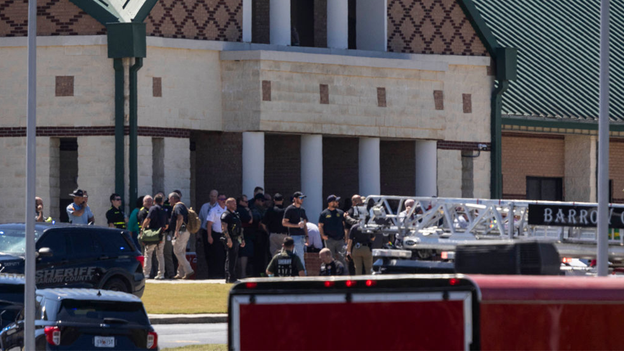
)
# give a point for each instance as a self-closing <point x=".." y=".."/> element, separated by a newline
<point x="426" y="167"/>
<point x="280" y="22"/>
<point x="247" y="21"/>
<point x="338" y="24"/>
<point x="370" y="169"/>
<point x="253" y="161"/>
<point x="371" y="25"/>
<point x="312" y="175"/>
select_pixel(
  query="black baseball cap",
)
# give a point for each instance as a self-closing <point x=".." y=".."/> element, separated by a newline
<point x="288" y="241"/>
<point x="298" y="194"/>
<point x="332" y="197"/>
<point x="78" y="193"/>
<point x="278" y="197"/>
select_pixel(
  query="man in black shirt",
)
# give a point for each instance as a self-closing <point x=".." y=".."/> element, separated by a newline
<point x="329" y="266"/>
<point x="332" y="228"/>
<point x="156" y="219"/>
<point x="177" y="228"/>
<point x="295" y="221"/>
<point x="115" y="215"/>
<point x="286" y="263"/>
<point x="360" y="251"/>
<point x="232" y="231"/>
<point x="272" y="223"/>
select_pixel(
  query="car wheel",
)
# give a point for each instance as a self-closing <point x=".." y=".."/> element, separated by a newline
<point x="116" y="284"/>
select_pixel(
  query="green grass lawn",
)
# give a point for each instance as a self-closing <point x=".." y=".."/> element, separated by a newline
<point x="209" y="347"/>
<point x="186" y="298"/>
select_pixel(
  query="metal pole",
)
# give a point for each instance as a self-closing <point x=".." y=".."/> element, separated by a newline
<point x="31" y="142"/>
<point x="603" y="145"/>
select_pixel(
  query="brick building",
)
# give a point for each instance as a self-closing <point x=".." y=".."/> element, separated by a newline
<point x="550" y="112"/>
<point x="340" y="96"/>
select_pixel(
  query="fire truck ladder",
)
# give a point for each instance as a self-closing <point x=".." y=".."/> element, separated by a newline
<point x="442" y="223"/>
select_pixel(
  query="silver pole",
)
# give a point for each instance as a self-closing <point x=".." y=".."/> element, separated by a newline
<point x="603" y="145"/>
<point x="31" y="132"/>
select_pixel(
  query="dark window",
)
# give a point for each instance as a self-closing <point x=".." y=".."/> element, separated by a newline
<point x="56" y="241"/>
<point x="352" y="25"/>
<point x="541" y="188"/>
<point x="113" y="243"/>
<point x="87" y="311"/>
<point x="83" y="245"/>
<point x="302" y="22"/>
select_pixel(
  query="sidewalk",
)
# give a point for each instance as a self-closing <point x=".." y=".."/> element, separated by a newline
<point x="187" y="318"/>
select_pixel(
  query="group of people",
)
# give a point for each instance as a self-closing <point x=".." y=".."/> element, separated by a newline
<point x="239" y="237"/>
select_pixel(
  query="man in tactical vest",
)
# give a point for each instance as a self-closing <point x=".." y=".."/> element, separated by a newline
<point x="115" y="216"/>
<point x="329" y="266"/>
<point x="286" y="263"/>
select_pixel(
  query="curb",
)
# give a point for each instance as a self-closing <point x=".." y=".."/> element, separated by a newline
<point x="187" y="318"/>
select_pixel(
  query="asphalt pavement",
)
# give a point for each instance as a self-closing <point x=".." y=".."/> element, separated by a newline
<point x="177" y="335"/>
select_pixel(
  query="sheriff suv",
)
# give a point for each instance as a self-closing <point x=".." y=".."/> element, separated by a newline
<point x="84" y="319"/>
<point x="76" y="256"/>
<point x="11" y="297"/>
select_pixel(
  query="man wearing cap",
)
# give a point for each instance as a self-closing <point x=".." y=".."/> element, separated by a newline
<point x="115" y="216"/>
<point x="272" y="224"/>
<point x="295" y="220"/>
<point x="78" y="211"/>
<point x="332" y="228"/>
<point x="286" y="263"/>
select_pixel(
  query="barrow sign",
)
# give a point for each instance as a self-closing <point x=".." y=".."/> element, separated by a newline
<point x="573" y="216"/>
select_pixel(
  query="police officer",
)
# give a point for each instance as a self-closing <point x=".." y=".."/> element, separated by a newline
<point x="286" y="263"/>
<point x="115" y="215"/>
<point x="359" y="249"/>
<point x="329" y="266"/>
<point x="232" y="231"/>
<point x="272" y="224"/>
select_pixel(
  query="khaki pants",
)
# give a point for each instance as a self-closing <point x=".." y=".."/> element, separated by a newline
<point x="149" y="250"/>
<point x="276" y="241"/>
<point x="179" y="250"/>
<point x="362" y="257"/>
<point x="337" y="249"/>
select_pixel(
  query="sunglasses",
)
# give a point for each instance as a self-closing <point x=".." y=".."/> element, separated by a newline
<point x="301" y="197"/>
<point x="119" y="199"/>
<point x="221" y="199"/>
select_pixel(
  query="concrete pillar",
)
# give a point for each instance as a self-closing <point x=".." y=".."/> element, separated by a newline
<point x="247" y="21"/>
<point x="253" y="161"/>
<point x="312" y="175"/>
<point x="370" y="168"/>
<point x="371" y="25"/>
<point x="426" y="168"/>
<point x="338" y="24"/>
<point x="280" y="22"/>
<point x="580" y="168"/>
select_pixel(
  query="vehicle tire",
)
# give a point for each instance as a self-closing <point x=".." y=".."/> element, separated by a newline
<point x="116" y="284"/>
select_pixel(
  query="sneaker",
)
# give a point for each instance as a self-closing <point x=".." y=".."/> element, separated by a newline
<point x="177" y="277"/>
<point x="160" y="278"/>
<point x="188" y="275"/>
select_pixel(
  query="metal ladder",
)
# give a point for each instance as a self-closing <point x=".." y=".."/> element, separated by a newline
<point x="442" y="223"/>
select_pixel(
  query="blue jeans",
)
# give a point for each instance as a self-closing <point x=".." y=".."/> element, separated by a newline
<point x="300" y="248"/>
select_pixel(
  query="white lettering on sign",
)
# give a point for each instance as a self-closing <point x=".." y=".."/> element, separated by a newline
<point x="560" y="217"/>
<point x="572" y="216"/>
<point x="594" y="217"/>
<point x="610" y="214"/>
<point x="65" y="275"/>
<point x="583" y="217"/>
<point x="548" y="215"/>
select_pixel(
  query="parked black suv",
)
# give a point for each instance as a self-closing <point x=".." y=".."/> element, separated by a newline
<point x="84" y="319"/>
<point x="76" y="256"/>
<point x="11" y="297"/>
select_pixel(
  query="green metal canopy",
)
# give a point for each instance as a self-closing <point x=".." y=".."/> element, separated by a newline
<point x="558" y="57"/>
<point x="111" y="11"/>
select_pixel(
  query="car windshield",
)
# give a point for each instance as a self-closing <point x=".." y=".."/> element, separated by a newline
<point x="12" y="240"/>
<point x="102" y="311"/>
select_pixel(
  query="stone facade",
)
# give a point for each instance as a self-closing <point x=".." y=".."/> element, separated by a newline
<point x="580" y="157"/>
<point x="449" y="173"/>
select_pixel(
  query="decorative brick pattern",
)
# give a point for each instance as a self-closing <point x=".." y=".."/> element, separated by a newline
<point x="266" y="90"/>
<point x="438" y="97"/>
<point x="64" y="86"/>
<point x="381" y="97"/>
<point x="340" y="167"/>
<point x="467" y="103"/>
<point x="461" y="145"/>
<point x="91" y="131"/>
<point x="398" y="167"/>
<point x="282" y="164"/>
<point x="157" y="86"/>
<point x="324" y="91"/>
<point x="431" y="27"/>
<point x="54" y="17"/>
<point x="197" y="19"/>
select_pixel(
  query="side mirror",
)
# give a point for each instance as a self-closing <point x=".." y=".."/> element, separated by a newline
<point x="44" y="252"/>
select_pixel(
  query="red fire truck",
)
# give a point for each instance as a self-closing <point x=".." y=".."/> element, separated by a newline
<point x="428" y="312"/>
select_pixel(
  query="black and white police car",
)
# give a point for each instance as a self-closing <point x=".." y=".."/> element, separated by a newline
<point x="84" y="319"/>
<point x="76" y="256"/>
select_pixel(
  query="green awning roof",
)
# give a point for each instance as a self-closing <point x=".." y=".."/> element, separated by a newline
<point x="558" y="56"/>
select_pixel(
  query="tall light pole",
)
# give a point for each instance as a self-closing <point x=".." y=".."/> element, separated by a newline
<point x="31" y="142"/>
<point x="603" y="145"/>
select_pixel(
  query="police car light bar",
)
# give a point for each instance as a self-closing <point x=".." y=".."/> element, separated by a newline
<point x="392" y="253"/>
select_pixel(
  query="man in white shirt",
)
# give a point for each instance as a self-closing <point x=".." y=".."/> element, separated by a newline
<point x="216" y="248"/>
<point x="202" y="235"/>
<point x="314" y="237"/>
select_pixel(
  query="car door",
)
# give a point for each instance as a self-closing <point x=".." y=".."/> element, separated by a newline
<point x="87" y="256"/>
<point x="50" y="269"/>
<point x="13" y="334"/>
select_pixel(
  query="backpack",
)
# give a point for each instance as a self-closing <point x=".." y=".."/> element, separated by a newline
<point x="194" y="223"/>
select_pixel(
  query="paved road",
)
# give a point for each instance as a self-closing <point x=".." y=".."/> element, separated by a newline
<point x="175" y="335"/>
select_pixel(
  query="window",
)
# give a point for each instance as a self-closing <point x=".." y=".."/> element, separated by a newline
<point x="83" y="245"/>
<point x="542" y="188"/>
<point x="114" y="243"/>
<point x="56" y="241"/>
